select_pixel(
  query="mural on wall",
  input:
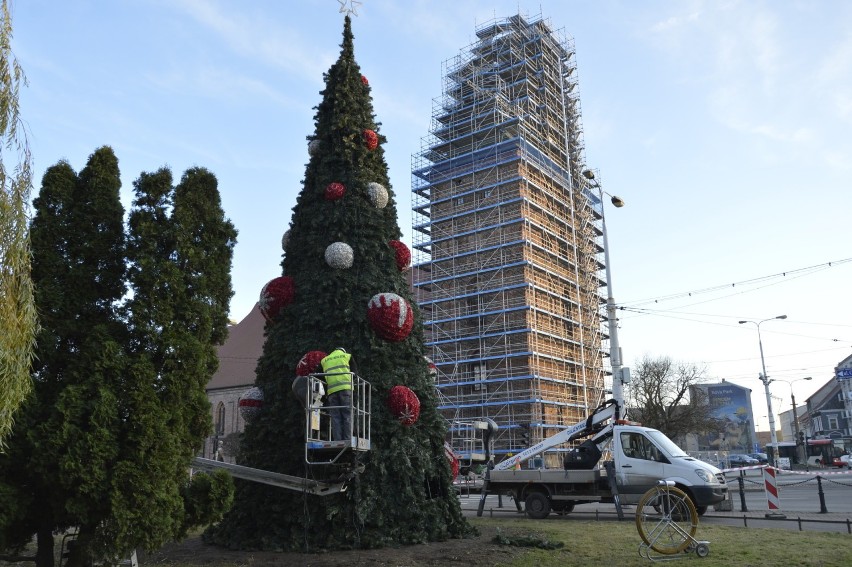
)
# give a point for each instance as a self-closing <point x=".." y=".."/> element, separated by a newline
<point x="732" y="405"/>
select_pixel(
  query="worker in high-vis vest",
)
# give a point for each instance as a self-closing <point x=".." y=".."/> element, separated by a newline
<point x="338" y="380"/>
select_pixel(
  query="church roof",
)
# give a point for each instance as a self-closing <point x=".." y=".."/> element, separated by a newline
<point x="239" y="354"/>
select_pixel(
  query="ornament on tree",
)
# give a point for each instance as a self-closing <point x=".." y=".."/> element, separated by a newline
<point x="334" y="191"/>
<point x="433" y="370"/>
<point x="309" y="362"/>
<point x="285" y="238"/>
<point x="390" y="316"/>
<point x="313" y="147"/>
<point x="404" y="404"/>
<point x="251" y="402"/>
<point x="339" y="255"/>
<point x="378" y="195"/>
<point x="275" y="296"/>
<point x="364" y="80"/>
<point x="403" y="254"/>
<point x="371" y="139"/>
<point x="452" y="458"/>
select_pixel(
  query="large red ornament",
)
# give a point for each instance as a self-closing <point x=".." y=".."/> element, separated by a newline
<point x="371" y="139"/>
<point x="403" y="254"/>
<point x="364" y="80"/>
<point x="404" y="404"/>
<point x="275" y="296"/>
<point x="309" y="362"/>
<point x="334" y="191"/>
<point x="390" y="316"/>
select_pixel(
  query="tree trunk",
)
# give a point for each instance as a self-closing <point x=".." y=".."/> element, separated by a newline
<point x="44" y="549"/>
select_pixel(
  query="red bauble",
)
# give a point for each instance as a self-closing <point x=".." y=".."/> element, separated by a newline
<point x="275" y="296"/>
<point x="404" y="404"/>
<point x="309" y="362"/>
<point x="452" y="458"/>
<point x="371" y="139"/>
<point x="403" y="254"/>
<point x="334" y="191"/>
<point x="364" y="80"/>
<point x="390" y="316"/>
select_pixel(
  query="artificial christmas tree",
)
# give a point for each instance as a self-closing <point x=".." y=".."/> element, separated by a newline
<point x="349" y="289"/>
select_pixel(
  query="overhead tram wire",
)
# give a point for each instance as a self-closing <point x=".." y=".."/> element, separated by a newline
<point x="677" y="311"/>
<point x="671" y="314"/>
<point x="781" y="276"/>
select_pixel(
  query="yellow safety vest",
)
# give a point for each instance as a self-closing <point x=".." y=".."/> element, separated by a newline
<point x="336" y="368"/>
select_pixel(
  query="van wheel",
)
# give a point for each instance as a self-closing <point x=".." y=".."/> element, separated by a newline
<point x="537" y="506"/>
<point x="700" y="509"/>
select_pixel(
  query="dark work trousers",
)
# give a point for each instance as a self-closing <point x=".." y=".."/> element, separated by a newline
<point x="340" y="416"/>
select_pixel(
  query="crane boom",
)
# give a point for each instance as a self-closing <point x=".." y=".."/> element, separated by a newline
<point x="606" y="412"/>
<point x="272" y="478"/>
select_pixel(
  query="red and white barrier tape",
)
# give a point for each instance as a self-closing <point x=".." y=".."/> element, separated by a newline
<point x="821" y="472"/>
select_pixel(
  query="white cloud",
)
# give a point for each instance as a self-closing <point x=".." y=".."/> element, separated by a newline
<point x="675" y="22"/>
<point x="251" y="35"/>
<point x="220" y="83"/>
<point x="771" y="73"/>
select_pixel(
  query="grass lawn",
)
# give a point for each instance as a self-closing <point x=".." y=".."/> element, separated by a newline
<point x="511" y="542"/>
<point x="616" y="544"/>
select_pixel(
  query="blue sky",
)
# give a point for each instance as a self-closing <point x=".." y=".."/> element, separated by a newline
<point x="724" y="125"/>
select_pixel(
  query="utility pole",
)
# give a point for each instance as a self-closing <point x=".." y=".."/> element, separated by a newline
<point x="763" y="378"/>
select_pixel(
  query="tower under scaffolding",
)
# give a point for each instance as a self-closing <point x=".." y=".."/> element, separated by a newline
<point x="507" y="238"/>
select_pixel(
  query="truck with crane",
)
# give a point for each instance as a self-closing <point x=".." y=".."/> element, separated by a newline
<point x="640" y="457"/>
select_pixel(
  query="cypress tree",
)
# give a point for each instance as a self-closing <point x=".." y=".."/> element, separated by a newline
<point x="119" y="408"/>
<point x="171" y="357"/>
<point x="25" y="491"/>
<point x="65" y="442"/>
<point x="204" y="242"/>
<point x="403" y="494"/>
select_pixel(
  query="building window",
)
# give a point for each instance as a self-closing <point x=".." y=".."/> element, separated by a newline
<point x="220" y="419"/>
<point x="832" y="422"/>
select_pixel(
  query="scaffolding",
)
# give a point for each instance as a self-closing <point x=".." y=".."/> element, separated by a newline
<point x="507" y="238"/>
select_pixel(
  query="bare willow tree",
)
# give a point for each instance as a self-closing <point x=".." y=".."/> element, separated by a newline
<point x="662" y="395"/>
<point x="18" y="322"/>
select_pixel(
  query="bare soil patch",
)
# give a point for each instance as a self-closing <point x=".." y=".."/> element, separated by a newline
<point x="476" y="551"/>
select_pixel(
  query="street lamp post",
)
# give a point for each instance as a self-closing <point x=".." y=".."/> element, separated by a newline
<point x="612" y="321"/>
<point x="801" y="453"/>
<point x="763" y="378"/>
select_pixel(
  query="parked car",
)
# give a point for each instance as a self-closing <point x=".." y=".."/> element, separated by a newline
<point x="762" y="458"/>
<point x="738" y="460"/>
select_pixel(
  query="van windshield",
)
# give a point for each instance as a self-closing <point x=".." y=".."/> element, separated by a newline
<point x="666" y="444"/>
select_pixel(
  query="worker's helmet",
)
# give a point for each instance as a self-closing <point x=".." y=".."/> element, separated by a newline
<point x="341" y="349"/>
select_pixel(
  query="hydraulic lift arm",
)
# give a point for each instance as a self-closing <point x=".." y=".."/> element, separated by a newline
<point x="600" y="420"/>
<point x="272" y="478"/>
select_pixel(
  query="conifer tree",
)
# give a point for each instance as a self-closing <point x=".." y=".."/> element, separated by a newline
<point x="119" y="407"/>
<point x="65" y="440"/>
<point x="341" y="251"/>
<point x="179" y="250"/>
